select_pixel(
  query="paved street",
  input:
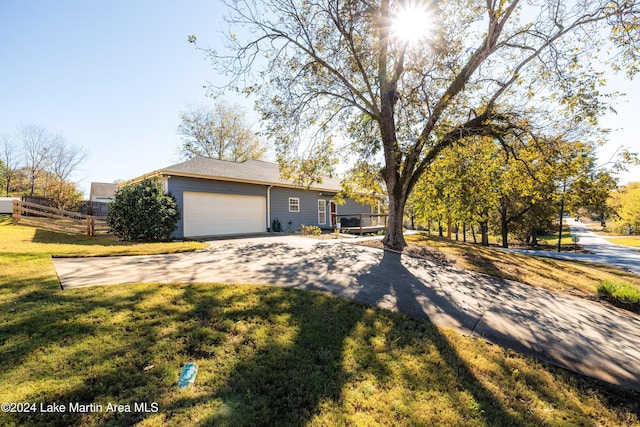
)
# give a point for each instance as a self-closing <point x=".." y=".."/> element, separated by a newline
<point x="570" y="332"/>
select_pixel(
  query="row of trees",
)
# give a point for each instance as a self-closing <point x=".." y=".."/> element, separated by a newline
<point x="515" y="190"/>
<point x="38" y="162"/>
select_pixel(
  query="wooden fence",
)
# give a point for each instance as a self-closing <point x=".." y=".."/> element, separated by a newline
<point x="48" y="218"/>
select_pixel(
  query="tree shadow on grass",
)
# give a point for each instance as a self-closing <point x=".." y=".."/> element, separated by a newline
<point x="287" y="377"/>
<point x="405" y="287"/>
<point x="288" y="381"/>
<point x="57" y="238"/>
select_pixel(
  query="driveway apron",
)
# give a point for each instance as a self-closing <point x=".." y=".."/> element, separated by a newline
<point x="566" y="331"/>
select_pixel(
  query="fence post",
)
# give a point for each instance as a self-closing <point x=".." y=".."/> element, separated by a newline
<point x="17" y="211"/>
<point x="91" y="226"/>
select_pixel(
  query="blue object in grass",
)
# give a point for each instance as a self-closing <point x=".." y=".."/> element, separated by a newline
<point x="188" y="375"/>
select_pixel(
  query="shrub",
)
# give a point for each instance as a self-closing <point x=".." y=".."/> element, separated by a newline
<point x="621" y="293"/>
<point x="143" y="212"/>
<point x="313" y="230"/>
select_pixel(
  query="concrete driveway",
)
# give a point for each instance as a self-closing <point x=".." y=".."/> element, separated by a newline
<point x="566" y="331"/>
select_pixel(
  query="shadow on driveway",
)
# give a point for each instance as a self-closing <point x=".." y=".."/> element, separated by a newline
<point x="566" y="331"/>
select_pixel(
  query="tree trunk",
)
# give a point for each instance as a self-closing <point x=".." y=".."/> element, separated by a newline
<point x="504" y="226"/>
<point x="504" y="233"/>
<point x="484" y="231"/>
<point x="394" y="238"/>
<point x="560" y="222"/>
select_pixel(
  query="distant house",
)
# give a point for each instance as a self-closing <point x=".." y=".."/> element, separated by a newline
<point x="102" y="192"/>
<point x="6" y="204"/>
<point x="218" y="197"/>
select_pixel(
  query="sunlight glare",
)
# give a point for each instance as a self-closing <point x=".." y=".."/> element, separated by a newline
<point x="412" y="21"/>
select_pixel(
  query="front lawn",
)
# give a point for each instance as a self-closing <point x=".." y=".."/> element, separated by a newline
<point x="633" y="241"/>
<point x="61" y="245"/>
<point x="266" y="356"/>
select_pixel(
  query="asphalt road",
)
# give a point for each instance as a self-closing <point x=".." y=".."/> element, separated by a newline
<point x="573" y="333"/>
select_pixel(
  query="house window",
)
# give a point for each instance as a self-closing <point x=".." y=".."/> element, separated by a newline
<point x="322" y="212"/>
<point x="294" y="204"/>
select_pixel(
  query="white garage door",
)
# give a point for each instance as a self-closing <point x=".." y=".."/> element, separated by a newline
<point x="207" y="214"/>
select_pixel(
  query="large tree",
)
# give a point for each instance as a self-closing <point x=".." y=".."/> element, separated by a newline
<point x="323" y="68"/>
<point x="37" y="143"/>
<point x="218" y="132"/>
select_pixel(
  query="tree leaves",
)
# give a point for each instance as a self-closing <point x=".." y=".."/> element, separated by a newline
<point x="220" y="132"/>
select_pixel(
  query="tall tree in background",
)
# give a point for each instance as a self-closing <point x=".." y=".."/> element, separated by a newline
<point x="484" y="67"/>
<point x="44" y="159"/>
<point x="36" y="145"/>
<point x="64" y="160"/>
<point x="220" y="132"/>
<point x="8" y="163"/>
<point x="590" y="191"/>
<point x="625" y="202"/>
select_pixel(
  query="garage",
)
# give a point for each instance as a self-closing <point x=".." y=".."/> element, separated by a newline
<point x="214" y="214"/>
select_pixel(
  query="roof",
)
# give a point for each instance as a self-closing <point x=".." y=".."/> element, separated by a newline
<point x="103" y="190"/>
<point x="249" y="171"/>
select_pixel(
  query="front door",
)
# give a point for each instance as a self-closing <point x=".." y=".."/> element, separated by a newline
<point x="332" y="212"/>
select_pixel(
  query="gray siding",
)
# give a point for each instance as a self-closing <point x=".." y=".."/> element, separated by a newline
<point x="178" y="185"/>
<point x="352" y="207"/>
<point x="308" y="214"/>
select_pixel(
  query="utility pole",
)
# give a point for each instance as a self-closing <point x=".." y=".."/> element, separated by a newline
<point x="564" y="187"/>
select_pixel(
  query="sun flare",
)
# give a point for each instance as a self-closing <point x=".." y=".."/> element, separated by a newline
<point x="412" y="21"/>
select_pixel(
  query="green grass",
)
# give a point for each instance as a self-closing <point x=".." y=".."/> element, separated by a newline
<point x="551" y="241"/>
<point x="61" y="245"/>
<point x="266" y="356"/>
<point x="626" y="241"/>
<point x="621" y="293"/>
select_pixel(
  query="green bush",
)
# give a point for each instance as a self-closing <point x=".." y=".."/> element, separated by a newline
<point x="142" y="212"/>
<point x="621" y="293"/>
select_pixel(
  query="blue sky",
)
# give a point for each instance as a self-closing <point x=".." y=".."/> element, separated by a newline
<point x="112" y="76"/>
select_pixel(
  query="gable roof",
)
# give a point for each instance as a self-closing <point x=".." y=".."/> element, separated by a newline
<point x="249" y="171"/>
